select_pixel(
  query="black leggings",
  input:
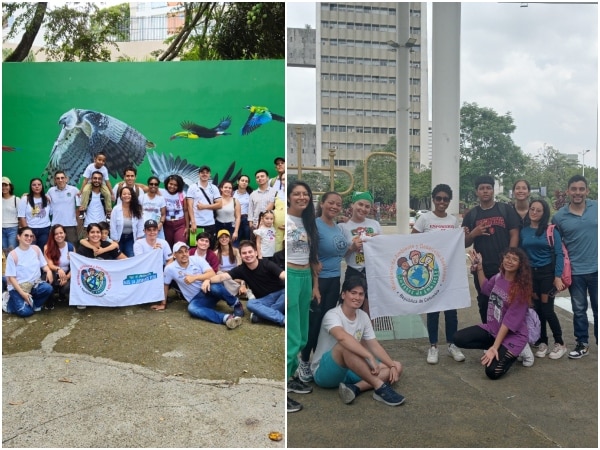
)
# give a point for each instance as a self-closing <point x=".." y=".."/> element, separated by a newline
<point x="477" y="337"/>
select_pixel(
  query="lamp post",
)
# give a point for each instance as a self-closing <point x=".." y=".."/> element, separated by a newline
<point x="583" y="152"/>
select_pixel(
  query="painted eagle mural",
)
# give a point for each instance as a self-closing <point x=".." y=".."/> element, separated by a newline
<point x="85" y="133"/>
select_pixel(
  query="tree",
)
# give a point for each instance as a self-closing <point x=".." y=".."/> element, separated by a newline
<point x="420" y="190"/>
<point x="32" y="18"/>
<point x="381" y="175"/>
<point x="486" y="147"/>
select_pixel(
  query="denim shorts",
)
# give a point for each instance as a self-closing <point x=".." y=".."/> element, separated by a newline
<point x="330" y="374"/>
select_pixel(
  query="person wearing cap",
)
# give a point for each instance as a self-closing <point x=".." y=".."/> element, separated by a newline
<point x="10" y="221"/>
<point x="190" y="274"/>
<point x="151" y="241"/>
<point x="355" y="229"/>
<point x="277" y="183"/>
<point x="264" y="278"/>
<point x="63" y="196"/>
<point x="491" y="228"/>
<point x="261" y="199"/>
<point x="203" y="199"/>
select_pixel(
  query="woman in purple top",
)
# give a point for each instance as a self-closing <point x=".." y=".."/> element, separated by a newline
<point x="504" y="335"/>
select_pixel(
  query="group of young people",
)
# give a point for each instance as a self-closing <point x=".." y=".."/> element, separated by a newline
<point x="514" y="265"/>
<point x="39" y="231"/>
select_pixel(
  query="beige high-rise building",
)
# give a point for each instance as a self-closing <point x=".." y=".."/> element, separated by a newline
<point x="356" y="80"/>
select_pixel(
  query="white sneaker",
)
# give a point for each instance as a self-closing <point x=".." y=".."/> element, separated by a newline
<point x="5" y="297"/>
<point x="542" y="350"/>
<point x="558" y="351"/>
<point x="432" y="355"/>
<point x="304" y="372"/>
<point x="527" y="355"/>
<point x="250" y="295"/>
<point x="455" y="352"/>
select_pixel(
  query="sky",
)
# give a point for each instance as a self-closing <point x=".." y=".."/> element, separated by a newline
<point x="539" y="62"/>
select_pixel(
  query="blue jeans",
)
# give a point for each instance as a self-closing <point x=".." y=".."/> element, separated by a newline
<point x="126" y="244"/>
<point x="202" y="306"/>
<point x="9" y="238"/>
<point x="18" y="306"/>
<point x="270" y="307"/>
<point x="433" y="320"/>
<point x="41" y="236"/>
<point x="581" y="287"/>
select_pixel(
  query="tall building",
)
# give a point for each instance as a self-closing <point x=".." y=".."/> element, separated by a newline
<point x="356" y="81"/>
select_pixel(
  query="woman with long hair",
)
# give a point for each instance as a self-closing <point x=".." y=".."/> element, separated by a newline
<point x="229" y="257"/>
<point x="126" y="221"/>
<point x="302" y="240"/>
<point x="229" y="216"/>
<point x="10" y="219"/>
<point x="242" y="195"/>
<point x="56" y="252"/>
<point x="176" y="220"/>
<point x="154" y="206"/>
<point x="505" y="334"/>
<point x="521" y="192"/>
<point x="547" y="266"/>
<point x="34" y="211"/>
<point x="326" y="290"/>
<point x="27" y="292"/>
<point x="94" y="238"/>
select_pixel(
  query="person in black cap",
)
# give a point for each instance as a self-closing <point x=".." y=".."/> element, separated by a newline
<point x="152" y="241"/>
<point x="203" y="198"/>
<point x="278" y="183"/>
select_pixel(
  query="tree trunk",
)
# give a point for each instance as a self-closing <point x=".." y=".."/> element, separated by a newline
<point x="22" y="50"/>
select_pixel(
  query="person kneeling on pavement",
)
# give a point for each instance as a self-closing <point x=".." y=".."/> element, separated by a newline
<point x="189" y="273"/>
<point x="348" y="354"/>
<point x="266" y="280"/>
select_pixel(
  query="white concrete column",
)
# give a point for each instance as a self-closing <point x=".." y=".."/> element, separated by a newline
<point x="445" y="94"/>
<point x="402" y="120"/>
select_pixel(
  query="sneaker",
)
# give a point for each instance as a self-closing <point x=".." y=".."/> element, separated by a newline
<point x="297" y="386"/>
<point x="238" y="309"/>
<point x="293" y="405"/>
<point x="527" y="356"/>
<point x="455" y="352"/>
<point x="432" y="355"/>
<point x="542" y="350"/>
<point x="49" y="305"/>
<point x="254" y="318"/>
<point x="233" y="321"/>
<point x="37" y="309"/>
<point x="250" y="295"/>
<point x="81" y="216"/>
<point x="304" y="373"/>
<point x="5" y="297"/>
<point x="558" y="351"/>
<point x="81" y="307"/>
<point x="581" y="349"/>
<point x="108" y="218"/>
<point x="388" y="396"/>
<point x="347" y="394"/>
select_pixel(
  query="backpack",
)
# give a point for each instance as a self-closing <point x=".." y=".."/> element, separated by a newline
<point x="534" y="328"/>
<point x="566" y="274"/>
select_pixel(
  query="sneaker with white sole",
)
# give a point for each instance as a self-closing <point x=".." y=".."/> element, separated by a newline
<point x="347" y="393"/>
<point x="388" y="396"/>
<point x="304" y="372"/>
<point x="581" y="349"/>
<point x="542" y="350"/>
<point x="297" y="386"/>
<point x="233" y="321"/>
<point x="455" y="352"/>
<point x="432" y="355"/>
<point x="5" y="297"/>
<point x="558" y="351"/>
<point x="527" y="356"/>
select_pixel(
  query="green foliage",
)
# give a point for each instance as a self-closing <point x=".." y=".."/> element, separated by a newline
<point x="420" y="190"/>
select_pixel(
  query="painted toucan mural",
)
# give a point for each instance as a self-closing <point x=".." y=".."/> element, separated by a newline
<point x="61" y="114"/>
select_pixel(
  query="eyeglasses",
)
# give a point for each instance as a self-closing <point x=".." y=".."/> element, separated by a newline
<point x="439" y="198"/>
<point x="28" y="236"/>
<point x="152" y="184"/>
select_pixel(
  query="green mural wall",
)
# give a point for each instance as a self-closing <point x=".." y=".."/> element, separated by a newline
<point x="153" y="98"/>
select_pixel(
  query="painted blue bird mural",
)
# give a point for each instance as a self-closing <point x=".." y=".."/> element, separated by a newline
<point x="259" y="115"/>
<point x="194" y="131"/>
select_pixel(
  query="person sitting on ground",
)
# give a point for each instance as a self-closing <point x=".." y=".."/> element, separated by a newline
<point x="56" y="253"/>
<point x="505" y="334"/>
<point x="348" y="355"/>
<point x="229" y="257"/>
<point x="27" y="293"/>
<point x="189" y="274"/>
<point x="203" y="251"/>
<point x="264" y="277"/>
<point x="105" y="237"/>
<point x="151" y="241"/>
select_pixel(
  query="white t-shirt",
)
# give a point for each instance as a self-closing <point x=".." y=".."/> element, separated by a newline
<point x="9" y="211"/>
<point x="430" y="222"/>
<point x="141" y="246"/>
<point x="95" y="210"/>
<point x="360" y="328"/>
<point x="174" y="204"/>
<point x="28" y="266"/>
<point x="37" y="217"/>
<point x="368" y="227"/>
<point x="91" y="168"/>
<point x="175" y="272"/>
<point x="204" y="217"/>
<point x="63" y="205"/>
<point x="151" y="207"/>
<point x="244" y="200"/>
<point x="297" y="247"/>
<point x="267" y="241"/>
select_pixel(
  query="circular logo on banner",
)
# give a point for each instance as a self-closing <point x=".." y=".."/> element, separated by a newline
<point x="93" y="279"/>
<point x="417" y="272"/>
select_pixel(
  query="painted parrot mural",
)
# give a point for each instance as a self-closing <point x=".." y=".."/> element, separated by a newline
<point x="259" y="115"/>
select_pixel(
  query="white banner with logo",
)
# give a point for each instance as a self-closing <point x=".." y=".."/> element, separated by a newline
<point x="122" y="282"/>
<point x="416" y="273"/>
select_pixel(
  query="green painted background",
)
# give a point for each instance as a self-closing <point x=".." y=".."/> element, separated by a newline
<point x="152" y="98"/>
